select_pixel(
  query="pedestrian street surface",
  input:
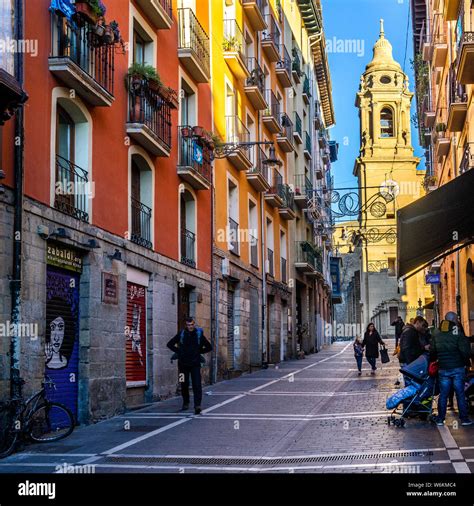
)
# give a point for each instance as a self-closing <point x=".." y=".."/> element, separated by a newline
<point x="314" y="415"/>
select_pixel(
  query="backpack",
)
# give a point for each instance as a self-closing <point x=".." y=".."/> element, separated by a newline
<point x="181" y="340"/>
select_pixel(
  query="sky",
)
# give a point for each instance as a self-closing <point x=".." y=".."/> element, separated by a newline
<point x="359" y="21"/>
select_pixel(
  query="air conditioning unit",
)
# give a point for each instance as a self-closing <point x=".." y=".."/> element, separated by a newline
<point x="225" y="267"/>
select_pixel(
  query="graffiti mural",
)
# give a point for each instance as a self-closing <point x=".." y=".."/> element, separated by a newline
<point x="135" y="333"/>
<point x="62" y="336"/>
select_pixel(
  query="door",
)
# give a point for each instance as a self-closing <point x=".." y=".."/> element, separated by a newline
<point x="230" y="327"/>
<point x="135" y="366"/>
<point x="270" y="344"/>
<point x="62" y="336"/>
<point x="184" y="293"/>
<point x="255" y="351"/>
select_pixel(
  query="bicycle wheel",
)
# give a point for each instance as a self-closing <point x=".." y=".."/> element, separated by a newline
<point x="50" y="422"/>
<point x="8" y="434"/>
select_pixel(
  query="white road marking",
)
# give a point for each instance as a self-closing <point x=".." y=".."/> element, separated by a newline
<point x="212" y="408"/>
<point x="461" y="467"/>
<point x="454" y="451"/>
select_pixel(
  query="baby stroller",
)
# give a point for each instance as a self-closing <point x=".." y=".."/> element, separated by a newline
<point x="416" y="399"/>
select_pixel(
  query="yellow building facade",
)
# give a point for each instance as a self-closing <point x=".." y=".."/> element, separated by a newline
<point x="388" y="180"/>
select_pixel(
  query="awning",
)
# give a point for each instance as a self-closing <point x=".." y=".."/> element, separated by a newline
<point x="434" y="224"/>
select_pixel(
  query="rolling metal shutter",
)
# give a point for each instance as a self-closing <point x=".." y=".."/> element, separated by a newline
<point x="255" y="348"/>
<point x="62" y="336"/>
<point x="135" y="332"/>
<point x="230" y="328"/>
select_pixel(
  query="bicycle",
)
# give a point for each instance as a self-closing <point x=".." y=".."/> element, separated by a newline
<point x="36" y="418"/>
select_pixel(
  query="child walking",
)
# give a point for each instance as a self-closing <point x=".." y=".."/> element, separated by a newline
<point x="358" y="353"/>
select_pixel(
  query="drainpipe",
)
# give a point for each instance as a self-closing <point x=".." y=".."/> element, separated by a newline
<point x="264" y="284"/>
<point x="15" y="285"/>
<point x="214" y="321"/>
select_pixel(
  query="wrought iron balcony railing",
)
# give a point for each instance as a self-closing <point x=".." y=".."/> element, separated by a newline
<point x="285" y="61"/>
<point x="303" y="186"/>
<point x="288" y="196"/>
<point x="276" y="185"/>
<point x="296" y="64"/>
<point x="148" y="108"/>
<point x="188" y="246"/>
<point x="253" y="250"/>
<point x="167" y="6"/>
<point x="298" y="125"/>
<point x="307" y="86"/>
<point x="257" y="76"/>
<point x="307" y="253"/>
<point x="457" y="91"/>
<point x="236" y="131"/>
<point x="234" y="236"/>
<point x="272" y="32"/>
<point x="307" y="142"/>
<point x="141" y="223"/>
<point x="194" y="152"/>
<point x="270" y="262"/>
<point x="273" y="105"/>
<point x="286" y="125"/>
<point x="234" y="40"/>
<point x="191" y="35"/>
<point x="283" y="270"/>
<point x="70" y="176"/>
<point x="467" y="160"/>
<point x="258" y="156"/>
<point x="80" y="44"/>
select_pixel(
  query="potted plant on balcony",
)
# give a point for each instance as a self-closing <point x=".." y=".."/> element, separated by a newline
<point x="231" y="44"/>
<point x="186" y="131"/>
<point x="198" y="131"/>
<point x="90" y="10"/>
<point x="109" y="35"/>
<point x="169" y="95"/>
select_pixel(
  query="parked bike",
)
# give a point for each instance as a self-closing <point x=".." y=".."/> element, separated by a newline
<point x="36" y="419"/>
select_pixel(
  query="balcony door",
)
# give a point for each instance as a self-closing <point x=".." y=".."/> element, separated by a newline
<point x="65" y="151"/>
<point x="188" y="229"/>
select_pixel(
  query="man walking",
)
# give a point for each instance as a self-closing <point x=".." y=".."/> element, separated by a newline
<point x="188" y="346"/>
<point x="398" y="324"/>
<point x="452" y="349"/>
<point x="414" y="340"/>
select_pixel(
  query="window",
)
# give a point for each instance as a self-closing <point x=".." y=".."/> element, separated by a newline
<point x="283" y="265"/>
<point x="188" y="228"/>
<point x="253" y="233"/>
<point x="233" y="213"/>
<point x="7" y="61"/>
<point x="141" y="202"/>
<point x="139" y="45"/>
<point x="386" y="122"/>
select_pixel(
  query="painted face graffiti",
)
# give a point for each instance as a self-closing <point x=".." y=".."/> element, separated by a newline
<point x="54" y="358"/>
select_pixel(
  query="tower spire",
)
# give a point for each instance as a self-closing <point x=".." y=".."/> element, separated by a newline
<point x="382" y="32"/>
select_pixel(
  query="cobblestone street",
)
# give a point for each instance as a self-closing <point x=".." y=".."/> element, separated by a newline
<point x="313" y="415"/>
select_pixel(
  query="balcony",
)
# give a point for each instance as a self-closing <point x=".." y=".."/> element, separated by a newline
<point x="234" y="237"/>
<point x="318" y="120"/>
<point x="270" y="269"/>
<point x="283" y="68"/>
<point x="274" y="195"/>
<point x="80" y="64"/>
<point x="233" y="46"/>
<point x="149" y="117"/>
<point x="296" y="66"/>
<point x="188" y="248"/>
<point x="457" y="104"/>
<point x="254" y="10"/>
<point x="440" y="50"/>
<point x="159" y="12"/>
<point x="303" y="191"/>
<point x="306" y="90"/>
<point x="307" y="146"/>
<point x="194" y="159"/>
<point x="283" y="271"/>
<point x="271" y="115"/>
<point x="271" y="39"/>
<point x="69" y="175"/>
<point x="467" y="160"/>
<point x="253" y="251"/>
<point x="257" y="176"/>
<point x="193" y="46"/>
<point x="451" y="9"/>
<point x="141" y="223"/>
<point x="305" y="258"/>
<point x="237" y="133"/>
<point x="319" y="172"/>
<point x="442" y="144"/>
<point x="255" y="84"/>
<point x="465" y="58"/>
<point x="285" y="137"/>
<point x="287" y="211"/>
<point x="297" y="131"/>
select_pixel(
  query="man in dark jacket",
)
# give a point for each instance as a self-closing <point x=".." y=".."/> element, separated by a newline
<point x="414" y="340"/>
<point x="188" y="345"/>
<point x="451" y="348"/>
<point x="398" y="324"/>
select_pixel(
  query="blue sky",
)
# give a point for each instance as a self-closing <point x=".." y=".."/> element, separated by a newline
<point x="360" y="20"/>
